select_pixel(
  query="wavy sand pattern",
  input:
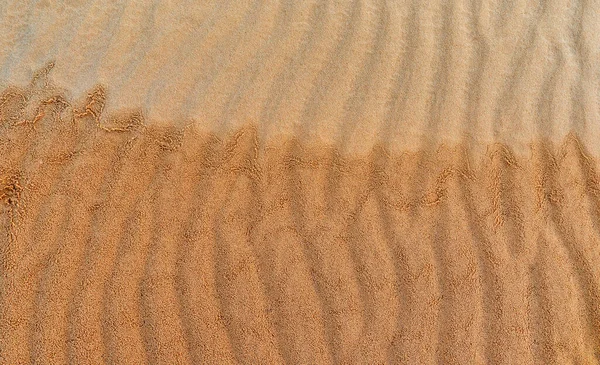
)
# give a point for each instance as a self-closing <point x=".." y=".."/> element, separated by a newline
<point x="352" y="72"/>
<point x="315" y="182"/>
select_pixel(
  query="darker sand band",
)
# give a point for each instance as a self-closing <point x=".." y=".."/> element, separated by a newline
<point x="129" y="244"/>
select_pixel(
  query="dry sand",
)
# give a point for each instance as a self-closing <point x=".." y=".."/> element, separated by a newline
<point x="316" y="182"/>
<point x="345" y="72"/>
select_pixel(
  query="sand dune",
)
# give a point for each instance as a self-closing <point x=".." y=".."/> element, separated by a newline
<point x="314" y="182"/>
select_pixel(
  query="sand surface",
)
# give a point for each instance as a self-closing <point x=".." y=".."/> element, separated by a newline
<point x="300" y="182"/>
<point x="351" y="72"/>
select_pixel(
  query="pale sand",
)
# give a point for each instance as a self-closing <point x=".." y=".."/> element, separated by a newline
<point x="351" y="72"/>
<point x="300" y="182"/>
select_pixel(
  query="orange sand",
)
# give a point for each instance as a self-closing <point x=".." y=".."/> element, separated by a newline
<point x="129" y="244"/>
<point x="300" y="182"/>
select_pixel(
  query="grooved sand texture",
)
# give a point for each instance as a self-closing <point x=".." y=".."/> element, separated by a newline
<point x="349" y="72"/>
<point x="129" y="244"/>
<point x="300" y="182"/>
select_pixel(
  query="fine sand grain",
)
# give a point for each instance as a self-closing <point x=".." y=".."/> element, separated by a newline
<point x="124" y="243"/>
<point x="347" y="72"/>
<point x="300" y="182"/>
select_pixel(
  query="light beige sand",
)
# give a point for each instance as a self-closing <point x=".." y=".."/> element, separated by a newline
<point x="316" y="182"/>
<point x="346" y="72"/>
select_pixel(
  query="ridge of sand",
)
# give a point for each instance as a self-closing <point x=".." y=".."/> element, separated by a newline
<point x="123" y="242"/>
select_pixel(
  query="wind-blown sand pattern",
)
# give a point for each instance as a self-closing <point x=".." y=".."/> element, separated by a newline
<point x="352" y="72"/>
<point x="316" y="182"/>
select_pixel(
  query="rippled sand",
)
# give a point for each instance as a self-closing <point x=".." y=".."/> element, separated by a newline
<point x="306" y="182"/>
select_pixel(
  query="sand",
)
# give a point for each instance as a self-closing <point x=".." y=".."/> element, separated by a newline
<point x="350" y="73"/>
<point x="351" y="182"/>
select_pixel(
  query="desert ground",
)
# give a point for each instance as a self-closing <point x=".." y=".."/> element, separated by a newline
<point x="300" y="182"/>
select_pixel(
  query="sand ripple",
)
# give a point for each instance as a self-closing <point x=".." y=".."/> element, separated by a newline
<point x="125" y="243"/>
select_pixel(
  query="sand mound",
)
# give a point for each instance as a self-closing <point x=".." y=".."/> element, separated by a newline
<point x="123" y="243"/>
